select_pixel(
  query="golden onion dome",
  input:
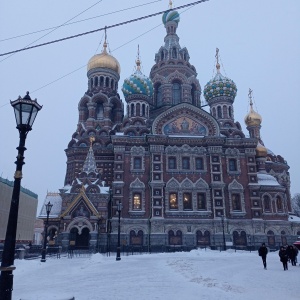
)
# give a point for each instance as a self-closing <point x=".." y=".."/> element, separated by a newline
<point x="104" y="60"/>
<point x="252" y="118"/>
<point x="261" y="151"/>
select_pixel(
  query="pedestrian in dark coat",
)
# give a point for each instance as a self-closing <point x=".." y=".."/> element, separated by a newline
<point x="291" y="253"/>
<point x="283" y="258"/>
<point x="263" y="251"/>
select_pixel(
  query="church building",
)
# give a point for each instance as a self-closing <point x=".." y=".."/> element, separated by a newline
<point x="185" y="173"/>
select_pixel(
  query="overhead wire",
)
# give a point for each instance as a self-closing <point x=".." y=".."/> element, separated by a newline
<point x="55" y="28"/>
<point x="79" y="21"/>
<point x="128" y="42"/>
<point x="103" y="28"/>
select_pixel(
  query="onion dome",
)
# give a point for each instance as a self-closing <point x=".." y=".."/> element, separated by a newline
<point x="261" y="151"/>
<point x="137" y="83"/>
<point x="172" y="15"/>
<point x="252" y="118"/>
<point x="104" y="60"/>
<point x="219" y="86"/>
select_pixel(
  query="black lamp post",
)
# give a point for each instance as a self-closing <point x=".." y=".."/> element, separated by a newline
<point x="48" y="210"/>
<point x="119" y="209"/>
<point x="25" y="112"/>
<point x="223" y="225"/>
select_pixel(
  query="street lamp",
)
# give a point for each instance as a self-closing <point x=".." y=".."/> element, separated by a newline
<point x="119" y="209"/>
<point x="25" y="112"/>
<point x="223" y="225"/>
<point x="48" y="210"/>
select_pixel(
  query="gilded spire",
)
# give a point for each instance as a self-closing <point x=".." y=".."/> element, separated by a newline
<point x="138" y="61"/>
<point x="217" y="58"/>
<point x="92" y="139"/>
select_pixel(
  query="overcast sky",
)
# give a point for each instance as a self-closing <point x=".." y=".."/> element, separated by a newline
<point x="259" y="49"/>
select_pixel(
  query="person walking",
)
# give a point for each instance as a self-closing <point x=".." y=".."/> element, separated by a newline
<point x="291" y="253"/>
<point x="263" y="251"/>
<point x="283" y="258"/>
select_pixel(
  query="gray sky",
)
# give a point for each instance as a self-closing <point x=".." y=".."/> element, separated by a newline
<point x="259" y="49"/>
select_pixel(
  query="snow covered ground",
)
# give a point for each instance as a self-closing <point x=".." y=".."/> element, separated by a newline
<point x="199" y="274"/>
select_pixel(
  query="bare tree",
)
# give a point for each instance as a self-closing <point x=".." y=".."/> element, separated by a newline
<point x="296" y="204"/>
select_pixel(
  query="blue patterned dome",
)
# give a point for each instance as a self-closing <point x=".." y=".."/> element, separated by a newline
<point x="170" y="16"/>
<point x="219" y="86"/>
<point x="137" y="83"/>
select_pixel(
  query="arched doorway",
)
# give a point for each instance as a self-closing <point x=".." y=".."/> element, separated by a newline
<point x="175" y="238"/>
<point x="80" y="240"/>
<point x="203" y="240"/>
<point x="240" y="239"/>
<point x="136" y="239"/>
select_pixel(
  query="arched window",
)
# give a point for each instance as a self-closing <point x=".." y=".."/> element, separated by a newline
<point x="173" y="201"/>
<point x="279" y="204"/>
<point x="107" y="82"/>
<point x="267" y="203"/>
<point x="112" y="83"/>
<point x="158" y="94"/>
<point x="230" y="112"/>
<point x="101" y="80"/>
<point x="236" y="202"/>
<point x="219" y="112"/>
<point x="143" y="110"/>
<point x="138" y="109"/>
<point x="187" y="201"/>
<point x="176" y="92"/>
<point x="203" y="239"/>
<point x="99" y="111"/>
<point x="96" y="81"/>
<point x="225" y="114"/>
<point x="162" y="55"/>
<point x="137" y="201"/>
<point x="184" y="56"/>
<point x="201" y="201"/>
<point x="174" y="53"/>
<point x="92" y="82"/>
<point x="193" y="92"/>
<point x="132" y="110"/>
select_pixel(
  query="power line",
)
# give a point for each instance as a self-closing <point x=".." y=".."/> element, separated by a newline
<point x="79" y="21"/>
<point x="103" y="28"/>
<point x="26" y="47"/>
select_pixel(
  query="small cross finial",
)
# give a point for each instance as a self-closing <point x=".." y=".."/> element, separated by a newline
<point x="217" y="58"/>
<point x="170" y="4"/>
<point x="250" y="96"/>
<point x="138" y="62"/>
<point x="105" y="42"/>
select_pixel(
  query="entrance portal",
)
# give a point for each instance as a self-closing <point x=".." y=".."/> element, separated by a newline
<point x="80" y="241"/>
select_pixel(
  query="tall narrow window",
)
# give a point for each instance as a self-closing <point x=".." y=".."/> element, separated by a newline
<point x="185" y="163"/>
<point x="279" y="204"/>
<point x="137" y="163"/>
<point x="173" y="201"/>
<point x="201" y="201"/>
<point x="236" y="202"/>
<point x="96" y="81"/>
<point x="132" y="110"/>
<point x="172" y="163"/>
<point x="158" y="94"/>
<point x="230" y="113"/>
<point x="162" y="55"/>
<point x="193" y="92"/>
<point x="143" y="110"/>
<point x="107" y="82"/>
<point x="199" y="163"/>
<point x="137" y="201"/>
<point x="267" y="203"/>
<point x="176" y="91"/>
<point x="232" y="164"/>
<point x="99" y="111"/>
<point x="219" y="112"/>
<point x="174" y="53"/>
<point x="187" y="201"/>
<point x="101" y="81"/>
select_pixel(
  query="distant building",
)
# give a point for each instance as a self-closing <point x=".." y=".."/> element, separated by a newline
<point x="27" y="212"/>
<point x="38" y="232"/>
<point x="183" y="174"/>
